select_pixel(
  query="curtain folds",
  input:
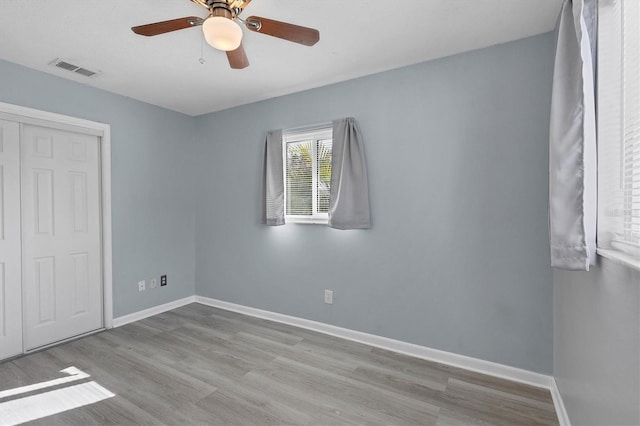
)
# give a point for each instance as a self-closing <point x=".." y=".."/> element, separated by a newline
<point x="572" y="143"/>
<point x="273" y="211"/>
<point x="349" y="194"/>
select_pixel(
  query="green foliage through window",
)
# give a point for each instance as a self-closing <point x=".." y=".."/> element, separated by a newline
<point x="308" y="177"/>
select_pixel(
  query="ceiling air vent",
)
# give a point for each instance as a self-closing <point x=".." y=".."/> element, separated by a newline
<point x="85" y="72"/>
<point x="72" y="67"/>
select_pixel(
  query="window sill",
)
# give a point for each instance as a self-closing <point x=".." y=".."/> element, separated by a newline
<point x="621" y="258"/>
<point x="305" y="221"/>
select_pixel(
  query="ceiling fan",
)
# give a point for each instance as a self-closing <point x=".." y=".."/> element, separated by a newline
<point x="222" y="31"/>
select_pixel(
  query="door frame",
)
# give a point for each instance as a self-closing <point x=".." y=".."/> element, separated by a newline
<point x="103" y="131"/>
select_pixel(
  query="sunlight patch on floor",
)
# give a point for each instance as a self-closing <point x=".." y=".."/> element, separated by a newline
<point x="32" y="407"/>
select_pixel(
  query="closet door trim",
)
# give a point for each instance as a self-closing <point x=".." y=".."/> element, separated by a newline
<point x="50" y="124"/>
<point x="103" y="131"/>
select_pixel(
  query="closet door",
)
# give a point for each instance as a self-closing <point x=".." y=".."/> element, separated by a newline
<point x="10" y="285"/>
<point x="61" y="252"/>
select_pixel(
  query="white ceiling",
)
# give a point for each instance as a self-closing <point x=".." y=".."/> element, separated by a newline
<point x="357" y="37"/>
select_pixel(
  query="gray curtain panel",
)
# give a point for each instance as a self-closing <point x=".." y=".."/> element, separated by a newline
<point x="273" y="213"/>
<point x="572" y="144"/>
<point x="349" y="196"/>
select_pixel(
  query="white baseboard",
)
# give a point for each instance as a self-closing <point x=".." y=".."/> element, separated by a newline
<point x="423" y="352"/>
<point x="137" y="316"/>
<point x="558" y="403"/>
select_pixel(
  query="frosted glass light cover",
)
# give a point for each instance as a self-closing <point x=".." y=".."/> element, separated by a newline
<point x="222" y="33"/>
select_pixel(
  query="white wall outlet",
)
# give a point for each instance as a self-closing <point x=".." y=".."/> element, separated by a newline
<point x="154" y="283"/>
<point x="142" y="285"/>
<point x="328" y="297"/>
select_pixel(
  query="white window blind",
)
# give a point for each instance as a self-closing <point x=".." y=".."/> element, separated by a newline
<point x="619" y="126"/>
<point x="299" y="178"/>
<point x="307" y="170"/>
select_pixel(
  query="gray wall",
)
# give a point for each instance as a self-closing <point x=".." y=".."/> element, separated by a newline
<point x="152" y="181"/>
<point x="458" y="255"/>
<point x="457" y="154"/>
<point x="596" y="358"/>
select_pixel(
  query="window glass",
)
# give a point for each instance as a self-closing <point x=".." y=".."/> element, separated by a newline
<point x="307" y="175"/>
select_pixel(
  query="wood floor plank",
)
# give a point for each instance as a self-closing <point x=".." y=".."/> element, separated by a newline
<point x="113" y="411"/>
<point x="324" y="411"/>
<point x="357" y="395"/>
<point x="249" y="406"/>
<point x="448" y="417"/>
<point x="487" y="405"/>
<point x="201" y="365"/>
<point x="498" y="394"/>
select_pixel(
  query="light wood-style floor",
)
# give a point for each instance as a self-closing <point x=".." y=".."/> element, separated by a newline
<point x="201" y="365"/>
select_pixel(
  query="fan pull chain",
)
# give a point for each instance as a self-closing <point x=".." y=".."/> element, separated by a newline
<point x="201" y="60"/>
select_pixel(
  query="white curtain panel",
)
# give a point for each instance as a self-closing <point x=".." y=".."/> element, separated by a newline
<point x="572" y="144"/>
<point x="349" y="193"/>
<point x="273" y="213"/>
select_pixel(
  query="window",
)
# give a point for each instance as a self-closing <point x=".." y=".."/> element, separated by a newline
<point x="307" y="175"/>
<point x="619" y="130"/>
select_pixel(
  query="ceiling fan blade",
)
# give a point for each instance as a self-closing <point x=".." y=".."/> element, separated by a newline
<point x="167" y="26"/>
<point x="294" y="33"/>
<point x="238" y="58"/>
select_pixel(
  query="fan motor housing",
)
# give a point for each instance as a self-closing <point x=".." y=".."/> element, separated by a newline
<point x="221" y="8"/>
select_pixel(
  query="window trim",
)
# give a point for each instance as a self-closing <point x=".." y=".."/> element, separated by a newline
<point x="619" y="257"/>
<point x="315" y="134"/>
<point x="613" y="247"/>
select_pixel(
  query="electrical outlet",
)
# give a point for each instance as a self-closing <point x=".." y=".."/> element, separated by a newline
<point x="154" y="283"/>
<point x="163" y="280"/>
<point x="328" y="297"/>
<point x="142" y="285"/>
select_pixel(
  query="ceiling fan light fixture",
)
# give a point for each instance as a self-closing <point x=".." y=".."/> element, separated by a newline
<point x="222" y="33"/>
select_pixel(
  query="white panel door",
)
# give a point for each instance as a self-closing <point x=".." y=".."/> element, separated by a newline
<point x="61" y="255"/>
<point x="10" y="271"/>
